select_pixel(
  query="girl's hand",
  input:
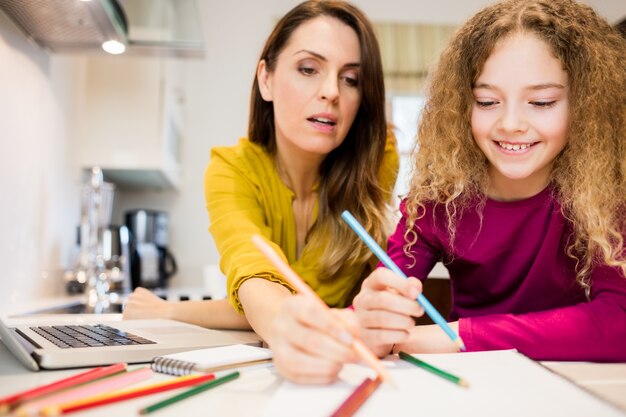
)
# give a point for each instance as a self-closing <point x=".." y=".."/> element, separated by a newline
<point x="311" y="343"/>
<point x="143" y="304"/>
<point x="386" y="307"/>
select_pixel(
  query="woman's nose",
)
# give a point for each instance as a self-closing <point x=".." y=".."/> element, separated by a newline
<point x="329" y="88"/>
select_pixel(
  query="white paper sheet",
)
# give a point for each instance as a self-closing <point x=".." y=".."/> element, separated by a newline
<point x="502" y="383"/>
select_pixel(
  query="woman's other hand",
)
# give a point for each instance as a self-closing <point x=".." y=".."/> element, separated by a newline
<point x="310" y="342"/>
<point x="143" y="304"/>
<point x="386" y="307"/>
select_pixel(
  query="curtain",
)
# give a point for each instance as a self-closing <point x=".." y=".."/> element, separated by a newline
<point x="408" y="52"/>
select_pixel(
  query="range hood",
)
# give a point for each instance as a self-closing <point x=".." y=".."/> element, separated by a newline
<point x="145" y="27"/>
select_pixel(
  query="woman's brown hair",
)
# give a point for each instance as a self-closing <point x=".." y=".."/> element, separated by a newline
<point x="349" y="175"/>
<point x="589" y="175"/>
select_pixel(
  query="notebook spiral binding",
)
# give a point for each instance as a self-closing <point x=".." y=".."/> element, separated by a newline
<point x="172" y="366"/>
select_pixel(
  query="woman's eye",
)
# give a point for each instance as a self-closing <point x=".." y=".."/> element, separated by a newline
<point x="351" y="81"/>
<point x="544" y="104"/>
<point x="307" y="70"/>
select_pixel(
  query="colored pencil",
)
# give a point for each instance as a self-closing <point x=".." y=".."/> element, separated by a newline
<point x="113" y="397"/>
<point x="386" y="260"/>
<point x="433" y="369"/>
<point x="357" y="398"/>
<point x="303" y="288"/>
<point x="103" y="386"/>
<point x="72" y="381"/>
<point x="193" y="391"/>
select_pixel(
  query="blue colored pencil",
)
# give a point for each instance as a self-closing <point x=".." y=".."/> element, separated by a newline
<point x="386" y="260"/>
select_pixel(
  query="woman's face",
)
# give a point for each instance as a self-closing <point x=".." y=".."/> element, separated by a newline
<point x="520" y="115"/>
<point x="314" y="88"/>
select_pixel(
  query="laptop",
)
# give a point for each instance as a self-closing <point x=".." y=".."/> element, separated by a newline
<point x="81" y="340"/>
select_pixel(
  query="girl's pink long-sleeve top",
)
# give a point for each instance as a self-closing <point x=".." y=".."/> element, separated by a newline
<point x="513" y="285"/>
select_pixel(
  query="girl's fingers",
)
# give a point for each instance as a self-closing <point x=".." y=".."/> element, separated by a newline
<point x="378" y="337"/>
<point x="387" y="301"/>
<point x="384" y="279"/>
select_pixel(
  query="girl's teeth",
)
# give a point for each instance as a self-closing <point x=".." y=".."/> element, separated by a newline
<point x="514" y="147"/>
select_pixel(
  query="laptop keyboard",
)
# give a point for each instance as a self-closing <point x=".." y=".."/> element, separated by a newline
<point x="88" y="336"/>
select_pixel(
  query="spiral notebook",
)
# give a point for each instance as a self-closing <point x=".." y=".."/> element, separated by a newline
<point x="211" y="359"/>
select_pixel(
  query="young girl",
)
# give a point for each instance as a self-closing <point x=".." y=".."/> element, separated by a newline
<point x="519" y="189"/>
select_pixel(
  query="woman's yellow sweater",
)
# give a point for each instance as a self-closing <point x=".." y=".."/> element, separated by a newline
<point x="245" y="196"/>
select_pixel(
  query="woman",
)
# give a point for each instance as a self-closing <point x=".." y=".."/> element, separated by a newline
<point x="317" y="146"/>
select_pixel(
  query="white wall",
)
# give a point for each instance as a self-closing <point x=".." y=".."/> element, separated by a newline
<point x="38" y="200"/>
<point x="38" y="172"/>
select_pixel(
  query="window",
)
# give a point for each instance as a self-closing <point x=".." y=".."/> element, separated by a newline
<point x="405" y="112"/>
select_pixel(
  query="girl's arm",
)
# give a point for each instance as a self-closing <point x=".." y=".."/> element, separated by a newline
<point x="589" y="331"/>
<point x="428" y="339"/>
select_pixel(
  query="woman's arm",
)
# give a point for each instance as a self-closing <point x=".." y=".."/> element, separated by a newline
<point x="215" y="314"/>
<point x="310" y="342"/>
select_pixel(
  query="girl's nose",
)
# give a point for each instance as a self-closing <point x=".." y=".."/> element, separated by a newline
<point x="512" y="119"/>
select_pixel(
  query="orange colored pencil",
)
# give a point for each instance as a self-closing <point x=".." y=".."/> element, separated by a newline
<point x="357" y="398"/>
<point x="72" y="381"/>
<point x="303" y="288"/>
<point x="113" y="397"/>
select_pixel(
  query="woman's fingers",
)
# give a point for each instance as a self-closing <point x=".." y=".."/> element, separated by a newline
<point x="142" y="303"/>
<point x="314" y="342"/>
<point x="316" y="330"/>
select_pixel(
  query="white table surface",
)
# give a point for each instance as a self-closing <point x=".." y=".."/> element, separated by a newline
<point x="248" y="395"/>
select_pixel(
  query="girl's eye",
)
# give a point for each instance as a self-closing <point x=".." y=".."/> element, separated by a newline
<point x="543" y="104"/>
<point x="486" y="103"/>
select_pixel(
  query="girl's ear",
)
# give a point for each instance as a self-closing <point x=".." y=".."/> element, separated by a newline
<point x="264" y="79"/>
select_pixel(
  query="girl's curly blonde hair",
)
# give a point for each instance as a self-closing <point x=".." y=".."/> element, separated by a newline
<point x="589" y="174"/>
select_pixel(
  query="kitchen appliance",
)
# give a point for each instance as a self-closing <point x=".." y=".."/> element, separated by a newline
<point x="145" y="27"/>
<point x="151" y="262"/>
<point x="115" y="253"/>
<point x="101" y="270"/>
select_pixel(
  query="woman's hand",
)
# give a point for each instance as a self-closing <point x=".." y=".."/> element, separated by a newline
<point x="310" y="342"/>
<point x="386" y="307"/>
<point x="143" y="304"/>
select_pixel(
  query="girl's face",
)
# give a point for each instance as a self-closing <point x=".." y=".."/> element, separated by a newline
<point x="520" y="115"/>
<point x="315" y="88"/>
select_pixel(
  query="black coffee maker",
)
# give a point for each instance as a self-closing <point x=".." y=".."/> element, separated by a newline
<point x="151" y="262"/>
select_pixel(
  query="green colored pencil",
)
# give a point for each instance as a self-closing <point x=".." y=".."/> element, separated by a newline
<point x="452" y="378"/>
<point x="193" y="391"/>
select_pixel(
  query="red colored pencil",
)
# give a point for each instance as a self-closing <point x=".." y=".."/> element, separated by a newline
<point x="357" y="398"/>
<point x="81" y="378"/>
<point x="114" y="397"/>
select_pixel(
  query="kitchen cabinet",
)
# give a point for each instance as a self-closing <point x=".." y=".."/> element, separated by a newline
<point x="132" y="120"/>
